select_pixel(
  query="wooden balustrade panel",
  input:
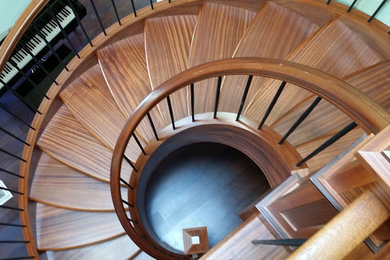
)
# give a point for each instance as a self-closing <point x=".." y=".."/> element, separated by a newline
<point x="124" y="67"/>
<point x="58" y="185"/>
<point x="334" y="49"/>
<point x="63" y="229"/>
<point x="210" y="43"/>
<point x="167" y="44"/>
<point x="66" y="140"/>
<point x="292" y="29"/>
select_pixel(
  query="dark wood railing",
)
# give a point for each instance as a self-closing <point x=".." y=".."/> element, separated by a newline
<point x="74" y="68"/>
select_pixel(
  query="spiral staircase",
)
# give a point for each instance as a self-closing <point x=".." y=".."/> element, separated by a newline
<point x="75" y="217"/>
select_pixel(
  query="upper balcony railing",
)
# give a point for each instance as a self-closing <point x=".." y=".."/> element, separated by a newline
<point x="16" y="149"/>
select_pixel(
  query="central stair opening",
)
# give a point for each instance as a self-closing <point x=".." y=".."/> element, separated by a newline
<point x="201" y="184"/>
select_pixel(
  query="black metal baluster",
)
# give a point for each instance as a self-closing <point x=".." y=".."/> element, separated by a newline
<point x="152" y="125"/>
<point x="280" y="242"/>
<point x="192" y="102"/>
<point x="129" y="162"/>
<point x="48" y="44"/>
<point x="11" y="225"/>
<point x="132" y="220"/>
<point x="12" y="208"/>
<point x="169" y="1"/>
<point x="79" y="21"/>
<point x="171" y="112"/>
<point x="328" y="142"/>
<point x="21" y="72"/>
<point x="15" y="116"/>
<point x="243" y="99"/>
<point x="11" y="173"/>
<point x="134" y="10"/>
<point x="128" y="204"/>
<point x="301" y="118"/>
<point x="139" y="144"/>
<point x="351" y="6"/>
<point x="14" y="136"/>
<point x="376" y="11"/>
<point x="271" y="106"/>
<point x="13" y="191"/>
<point x="14" y="241"/>
<point x="39" y="63"/>
<point x="98" y="17"/>
<point x="62" y="30"/>
<point x="328" y="2"/>
<point x="151" y="4"/>
<point x="126" y="183"/>
<point x="21" y="99"/>
<point x="11" y="154"/>
<point x="217" y="96"/>
<point x="116" y="13"/>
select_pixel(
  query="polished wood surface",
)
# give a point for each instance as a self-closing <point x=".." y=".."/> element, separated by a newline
<point x="321" y="159"/>
<point x="66" y="140"/>
<point x="292" y="29"/>
<point x="59" y="229"/>
<point x="57" y="185"/>
<point x="325" y="119"/>
<point x="89" y="100"/>
<point x="335" y="49"/>
<point x="238" y="244"/>
<point x="167" y="44"/>
<point x="124" y="68"/>
<point x="121" y="248"/>
<point x="210" y="43"/>
<point x="352" y="226"/>
<point x="374" y="82"/>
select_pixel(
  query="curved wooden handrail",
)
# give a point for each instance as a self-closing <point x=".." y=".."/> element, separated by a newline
<point x="19" y="28"/>
<point x="363" y="110"/>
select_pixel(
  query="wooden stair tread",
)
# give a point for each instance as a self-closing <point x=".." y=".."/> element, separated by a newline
<point x="123" y="64"/>
<point x="167" y="44"/>
<point x="292" y="29"/>
<point x="210" y="43"/>
<point x="238" y="244"/>
<point x="324" y="119"/>
<point x="66" y="140"/>
<point x="318" y="161"/>
<point x="120" y="248"/>
<point x="374" y="82"/>
<point x="334" y="49"/>
<point x="89" y="100"/>
<point x="57" y="185"/>
<point x="59" y="229"/>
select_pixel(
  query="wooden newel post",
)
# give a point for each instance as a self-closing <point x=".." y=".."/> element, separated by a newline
<point x="345" y="231"/>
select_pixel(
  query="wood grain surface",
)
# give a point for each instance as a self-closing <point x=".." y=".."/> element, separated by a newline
<point x="66" y="140"/>
<point x="335" y="49"/>
<point x="318" y="161"/>
<point x="274" y="33"/>
<point x="374" y="82"/>
<point x="324" y="119"/>
<point x="57" y="185"/>
<point x="218" y="31"/>
<point x="89" y="100"/>
<point x="121" y="248"/>
<point x="167" y="43"/>
<point x="124" y="68"/>
<point x="238" y="244"/>
<point x="59" y="229"/>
